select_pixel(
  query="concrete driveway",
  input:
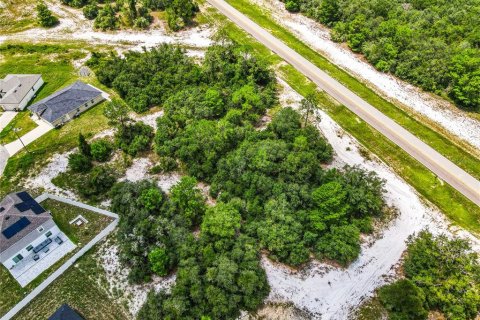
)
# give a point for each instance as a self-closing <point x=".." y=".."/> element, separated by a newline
<point x="16" y="146"/>
<point x="5" y="118"/>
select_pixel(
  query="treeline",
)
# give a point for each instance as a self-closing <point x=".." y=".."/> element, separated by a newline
<point x="441" y="274"/>
<point x="271" y="189"/>
<point x="113" y="14"/>
<point x="430" y="43"/>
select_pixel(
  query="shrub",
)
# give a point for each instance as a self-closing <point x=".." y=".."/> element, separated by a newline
<point x="403" y="300"/>
<point x="101" y="150"/>
<point x="44" y="15"/>
<point x="97" y="182"/>
<point x="78" y="162"/>
<point x="90" y="11"/>
<point x="341" y="244"/>
<point x="165" y="165"/>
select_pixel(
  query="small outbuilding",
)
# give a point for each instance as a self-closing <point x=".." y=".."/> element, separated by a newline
<point x="67" y="103"/>
<point x="65" y="312"/>
<point x="16" y="90"/>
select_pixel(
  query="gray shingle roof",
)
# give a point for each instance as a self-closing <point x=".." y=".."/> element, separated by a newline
<point x="64" y="101"/>
<point x="16" y="86"/>
<point x="10" y="213"/>
<point x="65" y="313"/>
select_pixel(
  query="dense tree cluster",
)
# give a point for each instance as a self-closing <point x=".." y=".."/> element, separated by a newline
<point x="271" y="190"/>
<point x="433" y="44"/>
<point x="441" y="274"/>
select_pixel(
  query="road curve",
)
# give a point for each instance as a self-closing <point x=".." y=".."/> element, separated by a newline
<point x="438" y="164"/>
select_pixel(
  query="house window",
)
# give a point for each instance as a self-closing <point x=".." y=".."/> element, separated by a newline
<point x="30" y="247"/>
<point x="40" y="229"/>
<point x="91" y="101"/>
<point x="48" y="234"/>
<point x="17" y="258"/>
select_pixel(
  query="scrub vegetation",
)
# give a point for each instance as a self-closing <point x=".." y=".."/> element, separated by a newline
<point x="432" y="44"/>
<point x="441" y="274"/>
<point x="270" y="188"/>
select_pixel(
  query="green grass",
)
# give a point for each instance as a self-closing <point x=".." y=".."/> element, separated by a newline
<point x="18" y="15"/>
<point x="62" y="213"/>
<point x="456" y="207"/>
<point x="54" y="62"/>
<point x="83" y="287"/>
<point x="21" y="121"/>
<point x="431" y="135"/>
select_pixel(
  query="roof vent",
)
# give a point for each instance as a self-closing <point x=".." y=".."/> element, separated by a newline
<point x="7" y="217"/>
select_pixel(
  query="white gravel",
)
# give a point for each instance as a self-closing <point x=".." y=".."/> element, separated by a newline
<point x="117" y="277"/>
<point x="58" y="164"/>
<point x="440" y="111"/>
<point x="309" y="289"/>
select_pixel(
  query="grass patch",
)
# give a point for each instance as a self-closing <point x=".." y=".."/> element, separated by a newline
<point x="456" y="207"/>
<point x="83" y="287"/>
<point x="453" y="151"/>
<point x="17" y="15"/>
<point x="64" y="213"/>
<point x="371" y="309"/>
<point x="21" y="121"/>
<point x="54" y="62"/>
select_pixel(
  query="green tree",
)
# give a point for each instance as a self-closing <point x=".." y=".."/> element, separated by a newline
<point x="101" y="150"/>
<point x="159" y="261"/>
<point x="78" y="162"/>
<point x="44" y="15"/>
<point x="308" y="106"/>
<point x="188" y="200"/>
<point x="180" y="13"/>
<point x="83" y="146"/>
<point x="117" y="113"/>
<point x="221" y="221"/>
<point x="90" y="11"/>
<point x="341" y="243"/>
<point x="403" y="300"/>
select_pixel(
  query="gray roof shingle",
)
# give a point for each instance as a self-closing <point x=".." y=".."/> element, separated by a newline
<point x="64" y="101"/>
<point x="16" y="86"/>
<point x="11" y="212"/>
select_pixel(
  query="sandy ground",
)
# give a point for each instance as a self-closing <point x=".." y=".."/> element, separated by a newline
<point x="309" y="289"/>
<point x="436" y="109"/>
<point x="73" y="26"/>
<point x="117" y="277"/>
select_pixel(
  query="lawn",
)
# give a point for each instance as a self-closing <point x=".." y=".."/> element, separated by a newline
<point x="23" y="122"/>
<point x="83" y="288"/>
<point x="62" y="213"/>
<point x="456" y="207"/>
<point x="54" y="62"/>
<point x="448" y="145"/>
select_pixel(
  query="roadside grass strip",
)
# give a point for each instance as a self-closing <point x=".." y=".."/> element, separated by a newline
<point x="454" y="205"/>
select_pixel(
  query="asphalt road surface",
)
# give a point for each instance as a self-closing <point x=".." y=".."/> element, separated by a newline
<point x="438" y="164"/>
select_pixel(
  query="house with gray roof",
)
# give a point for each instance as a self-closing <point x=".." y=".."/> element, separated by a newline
<point x="16" y="90"/>
<point x="67" y="103"/>
<point x="25" y="228"/>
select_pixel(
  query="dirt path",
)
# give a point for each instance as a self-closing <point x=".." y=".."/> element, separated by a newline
<point x="73" y="26"/>
<point x="310" y="288"/>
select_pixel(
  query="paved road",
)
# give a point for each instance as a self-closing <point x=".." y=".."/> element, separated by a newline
<point x="441" y="166"/>
<point x="35" y="292"/>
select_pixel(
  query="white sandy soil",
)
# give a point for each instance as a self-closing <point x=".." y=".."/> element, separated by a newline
<point x="309" y="289"/>
<point x="73" y="26"/>
<point x="440" y="111"/>
<point x="117" y="277"/>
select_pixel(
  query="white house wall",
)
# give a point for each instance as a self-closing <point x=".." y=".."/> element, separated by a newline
<point x="8" y="263"/>
<point x="31" y="93"/>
